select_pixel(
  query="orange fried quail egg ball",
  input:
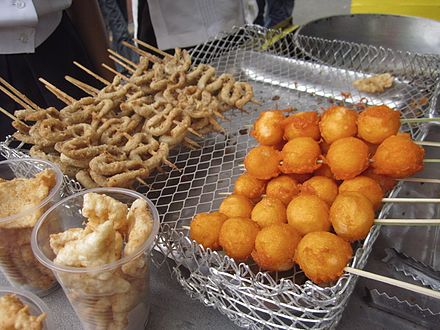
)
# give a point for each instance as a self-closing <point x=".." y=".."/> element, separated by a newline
<point x="376" y="123"/>
<point x="283" y="188"/>
<point x="352" y="215"/>
<point x="236" y="206"/>
<point x="324" y="170"/>
<point x="398" y="157"/>
<point x="249" y="186"/>
<point x="308" y="213"/>
<point x="268" y="128"/>
<point x="366" y="186"/>
<point x="205" y="229"/>
<point x="300" y="155"/>
<point x="269" y="211"/>
<point x="386" y="183"/>
<point x="323" y="187"/>
<point x="262" y="162"/>
<point x="302" y="124"/>
<point x="347" y="158"/>
<point x="337" y="123"/>
<point x="275" y="247"/>
<point x="237" y="237"/>
<point x="323" y="256"/>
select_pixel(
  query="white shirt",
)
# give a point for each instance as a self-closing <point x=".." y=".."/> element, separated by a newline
<point x="183" y="23"/>
<point x="25" y="24"/>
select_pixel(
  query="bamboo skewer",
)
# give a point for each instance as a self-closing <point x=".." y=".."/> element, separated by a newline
<point x="140" y="51"/>
<point x="116" y="73"/>
<point x="15" y="98"/>
<point x="407" y="222"/>
<point x="419" y="120"/>
<point x="66" y="98"/>
<point x="121" y="63"/>
<point x="83" y="86"/>
<point x="420" y="180"/>
<point x="148" y="46"/>
<point x="93" y="74"/>
<point x="20" y="95"/>
<point x="387" y="280"/>
<point x="5" y="112"/>
<point x="427" y="143"/>
<point x="122" y="58"/>
<point x="410" y="200"/>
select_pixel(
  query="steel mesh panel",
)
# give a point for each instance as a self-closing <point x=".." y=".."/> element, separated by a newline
<point x="308" y="74"/>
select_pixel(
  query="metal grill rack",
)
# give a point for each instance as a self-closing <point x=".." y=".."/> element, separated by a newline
<point x="307" y="74"/>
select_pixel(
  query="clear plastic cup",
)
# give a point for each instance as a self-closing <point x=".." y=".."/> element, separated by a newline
<point x="111" y="296"/>
<point x="17" y="261"/>
<point x="36" y="305"/>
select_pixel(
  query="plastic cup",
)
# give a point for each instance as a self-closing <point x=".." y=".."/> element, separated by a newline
<point x="36" y="305"/>
<point x="17" y="261"/>
<point x="110" y="296"/>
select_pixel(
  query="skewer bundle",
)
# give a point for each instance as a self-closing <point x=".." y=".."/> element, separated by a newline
<point x="124" y="131"/>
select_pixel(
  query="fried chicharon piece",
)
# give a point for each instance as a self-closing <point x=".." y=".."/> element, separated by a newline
<point x="15" y="315"/>
<point x="374" y="84"/>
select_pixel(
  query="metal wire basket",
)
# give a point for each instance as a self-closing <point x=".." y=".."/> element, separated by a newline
<point x="308" y="74"/>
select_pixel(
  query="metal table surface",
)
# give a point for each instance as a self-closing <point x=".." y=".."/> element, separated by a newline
<point x="172" y="309"/>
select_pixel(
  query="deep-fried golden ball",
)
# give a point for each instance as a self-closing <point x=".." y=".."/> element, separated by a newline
<point x="237" y="237"/>
<point x="300" y="178"/>
<point x="367" y="187"/>
<point x="205" y="229"/>
<point x="302" y="124"/>
<point x="376" y="123"/>
<point x="337" y="123"/>
<point x="283" y="188"/>
<point x="236" y="206"/>
<point x="321" y="186"/>
<point x="398" y="157"/>
<point x="323" y="256"/>
<point x="249" y="186"/>
<point x="300" y="155"/>
<point x="269" y="211"/>
<point x="275" y="247"/>
<point x="308" y="213"/>
<point x="263" y="162"/>
<point x="386" y="183"/>
<point x="324" y="170"/>
<point x="268" y="128"/>
<point x="352" y="215"/>
<point x="347" y="158"/>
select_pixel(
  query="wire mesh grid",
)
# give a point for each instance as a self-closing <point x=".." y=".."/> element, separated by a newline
<point x="307" y="74"/>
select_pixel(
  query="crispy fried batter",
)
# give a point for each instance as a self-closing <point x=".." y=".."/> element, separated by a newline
<point x="14" y="314"/>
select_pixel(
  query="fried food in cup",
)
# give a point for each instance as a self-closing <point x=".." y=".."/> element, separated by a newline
<point x="14" y="314"/>
<point x="283" y="188"/>
<point x="323" y="256"/>
<point x="268" y="128"/>
<point x="307" y="213"/>
<point x="262" y="162"/>
<point x="275" y="247"/>
<point x="302" y="124"/>
<point x="352" y="215"/>
<point x="321" y="186"/>
<point x="205" y="229"/>
<point x="338" y="122"/>
<point x="398" y="157"/>
<point x="300" y="155"/>
<point x="237" y="237"/>
<point x="367" y="187"/>
<point x="347" y="158"/>
<point x="376" y="123"/>
<point x="249" y="186"/>
<point x="269" y="211"/>
<point x="236" y="206"/>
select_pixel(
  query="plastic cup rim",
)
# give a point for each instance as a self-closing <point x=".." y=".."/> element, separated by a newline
<point x="110" y="266"/>
<point x="55" y="189"/>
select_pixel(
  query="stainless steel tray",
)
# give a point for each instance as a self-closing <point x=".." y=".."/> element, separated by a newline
<point x="306" y="73"/>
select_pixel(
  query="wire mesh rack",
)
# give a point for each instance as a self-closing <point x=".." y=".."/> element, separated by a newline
<point x="307" y="74"/>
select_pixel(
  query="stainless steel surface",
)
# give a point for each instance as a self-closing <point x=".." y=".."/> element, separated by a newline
<point x="290" y="73"/>
<point x="413" y="34"/>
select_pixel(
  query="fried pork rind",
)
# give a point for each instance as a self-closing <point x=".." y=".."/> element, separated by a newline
<point x="15" y="315"/>
<point x="99" y="208"/>
<point x="15" y="197"/>
<point x="374" y="84"/>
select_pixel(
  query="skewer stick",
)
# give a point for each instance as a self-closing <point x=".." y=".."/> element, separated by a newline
<point x="140" y="51"/>
<point x="15" y="98"/>
<point x="429" y="160"/>
<point x="400" y="284"/>
<point x="411" y="200"/>
<point x="192" y="142"/>
<point x="419" y="120"/>
<point x="20" y="95"/>
<point x="407" y="222"/>
<point x="83" y="86"/>
<point x="421" y="180"/>
<point x="142" y="182"/>
<point x="154" y="49"/>
<point x="66" y="98"/>
<point x="93" y="74"/>
<point x="166" y="161"/>
<point x="12" y="116"/>
<point x="427" y="143"/>
<point x="105" y="66"/>
<point x="185" y="227"/>
<point x="122" y="58"/>
<point x="123" y="64"/>
<point x="192" y="131"/>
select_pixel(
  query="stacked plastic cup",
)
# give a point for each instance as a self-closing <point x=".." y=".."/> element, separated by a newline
<point x="17" y="262"/>
<point x="109" y="296"/>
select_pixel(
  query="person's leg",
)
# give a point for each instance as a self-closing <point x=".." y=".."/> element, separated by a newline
<point x="145" y="27"/>
<point x="277" y="11"/>
<point x="260" y="17"/>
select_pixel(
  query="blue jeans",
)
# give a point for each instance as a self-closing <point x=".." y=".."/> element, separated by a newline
<point x="272" y="12"/>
